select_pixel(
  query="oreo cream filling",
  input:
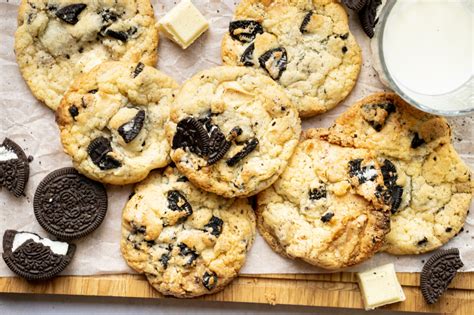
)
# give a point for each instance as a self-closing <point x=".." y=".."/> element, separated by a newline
<point x="59" y="248"/>
<point x="6" y="154"/>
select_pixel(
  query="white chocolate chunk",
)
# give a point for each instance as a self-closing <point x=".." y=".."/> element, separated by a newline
<point x="183" y="24"/>
<point x="379" y="286"/>
<point x="59" y="248"/>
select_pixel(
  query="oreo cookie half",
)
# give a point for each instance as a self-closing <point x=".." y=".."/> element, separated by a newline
<point x="438" y="272"/>
<point x="14" y="168"/>
<point x="368" y="16"/>
<point x="33" y="257"/>
<point x="355" y="5"/>
<point x="69" y="205"/>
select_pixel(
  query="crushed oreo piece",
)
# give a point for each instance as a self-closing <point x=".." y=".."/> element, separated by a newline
<point x="327" y="217"/>
<point x="182" y="179"/>
<point x="70" y="13"/>
<point x="247" y="57"/>
<point x="131" y="129"/>
<point x="305" y="21"/>
<point x="249" y="146"/>
<point x="438" y="272"/>
<point x="214" y="226"/>
<point x="422" y="241"/>
<point x="274" y="61"/>
<point x="184" y="250"/>
<point x="389" y="173"/>
<point x="416" y="141"/>
<point x="209" y="280"/>
<point x="191" y="134"/>
<point x="14" y="168"/>
<point x="98" y="151"/>
<point x="177" y="202"/>
<point x="317" y="193"/>
<point x="108" y="16"/>
<point x="368" y="16"/>
<point x="120" y="35"/>
<point x="363" y="174"/>
<point x="355" y="5"/>
<point x="164" y="259"/>
<point x="394" y="193"/>
<point x="138" y="69"/>
<point x="377" y="114"/>
<point x="218" y="145"/>
<point x="245" y="31"/>
<point x="69" y="205"/>
<point x="33" y="260"/>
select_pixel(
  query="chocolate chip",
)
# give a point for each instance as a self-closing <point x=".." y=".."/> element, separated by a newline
<point x="317" y="193"/>
<point x="245" y="31"/>
<point x="274" y="61"/>
<point x="247" y="57"/>
<point x="448" y="229"/>
<point x="131" y="129"/>
<point x="120" y="35"/>
<point x="209" y="280"/>
<point x="214" y="226"/>
<point x="70" y="13"/>
<point x="138" y="69"/>
<point x="438" y="272"/>
<point x="416" y="141"/>
<point x="164" y="259"/>
<point x="344" y="49"/>
<point x="184" y="250"/>
<point x="305" y="21"/>
<point x="177" y="202"/>
<point x="249" y="146"/>
<point x="327" y="217"/>
<point x="344" y="36"/>
<point x="368" y="16"/>
<point x="190" y="133"/>
<point x="73" y="111"/>
<point x="98" y="151"/>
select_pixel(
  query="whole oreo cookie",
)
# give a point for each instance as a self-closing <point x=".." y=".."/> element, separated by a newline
<point x="355" y="5"/>
<point x="33" y="257"/>
<point x="69" y="205"/>
<point x="438" y="272"/>
<point x="14" y="168"/>
<point x="368" y="16"/>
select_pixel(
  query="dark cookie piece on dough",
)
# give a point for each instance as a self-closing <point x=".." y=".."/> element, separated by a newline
<point x="98" y="151"/>
<point x="274" y="61"/>
<point x="355" y="5"/>
<point x="245" y="31"/>
<point x="191" y="134"/>
<point x="209" y="280"/>
<point x="69" y="205"/>
<point x="438" y="272"/>
<point x="32" y="259"/>
<point x="14" y="172"/>
<point x="305" y="21"/>
<point x="70" y="13"/>
<point x="368" y="16"/>
<point x="131" y="129"/>
<point x="247" y="57"/>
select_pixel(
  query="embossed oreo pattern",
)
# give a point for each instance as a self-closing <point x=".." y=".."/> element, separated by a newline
<point x="69" y="205"/>
<point x="14" y="173"/>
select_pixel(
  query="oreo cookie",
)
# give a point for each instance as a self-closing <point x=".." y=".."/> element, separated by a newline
<point x="368" y="16"/>
<point x="33" y="257"/>
<point x="438" y="272"/>
<point x="69" y="205"/>
<point x="355" y="5"/>
<point x="14" y="168"/>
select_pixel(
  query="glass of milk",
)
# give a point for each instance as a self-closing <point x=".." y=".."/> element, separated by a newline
<point x="423" y="50"/>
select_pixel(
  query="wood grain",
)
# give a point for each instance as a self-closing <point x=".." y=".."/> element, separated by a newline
<point x="326" y="290"/>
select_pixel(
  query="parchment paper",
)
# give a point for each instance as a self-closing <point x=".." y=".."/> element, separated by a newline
<point x="32" y="125"/>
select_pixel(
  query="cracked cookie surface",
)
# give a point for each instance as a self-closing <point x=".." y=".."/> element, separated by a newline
<point x="112" y="121"/>
<point x="232" y="131"/>
<point x="58" y="40"/>
<point x="429" y="187"/>
<point x="306" y="46"/>
<point x="186" y="241"/>
<point x="325" y="208"/>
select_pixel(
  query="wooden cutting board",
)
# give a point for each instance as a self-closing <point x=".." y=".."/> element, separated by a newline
<point x="326" y="290"/>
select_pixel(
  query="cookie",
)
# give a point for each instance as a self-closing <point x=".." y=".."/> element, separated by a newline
<point x="368" y="16"/>
<point x="186" y="241"/>
<point x="438" y="272"/>
<point x="326" y="208"/>
<point x="69" y="205"/>
<point x="305" y="46"/>
<point x="355" y="5"/>
<point x="33" y="257"/>
<point x="429" y="187"/>
<point x="14" y="168"/>
<point x="232" y="131"/>
<point x="59" y="40"/>
<point x="112" y="122"/>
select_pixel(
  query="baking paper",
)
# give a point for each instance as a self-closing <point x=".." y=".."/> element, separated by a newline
<point x="31" y="124"/>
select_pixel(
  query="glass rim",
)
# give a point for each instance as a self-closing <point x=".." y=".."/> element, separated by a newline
<point x="380" y="30"/>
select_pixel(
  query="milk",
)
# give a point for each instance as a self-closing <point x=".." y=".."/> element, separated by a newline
<point x="428" y="48"/>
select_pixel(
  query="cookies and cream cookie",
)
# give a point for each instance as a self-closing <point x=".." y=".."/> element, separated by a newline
<point x="232" y="130"/>
<point x="112" y="121"/>
<point x="186" y="241"/>
<point x="305" y="46"/>
<point x="429" y="187"/>
<point x="58" y="40"/>
<point x="326" y="207"/>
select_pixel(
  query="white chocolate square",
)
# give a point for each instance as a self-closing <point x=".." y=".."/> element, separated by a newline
<point x="379" y="286"/>
<point x="183" y="24"/>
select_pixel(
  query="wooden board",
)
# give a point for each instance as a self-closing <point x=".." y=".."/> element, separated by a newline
<point x="326" y="290"/>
